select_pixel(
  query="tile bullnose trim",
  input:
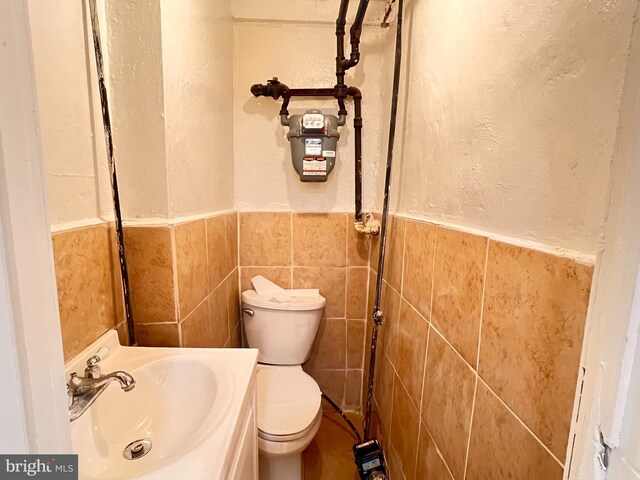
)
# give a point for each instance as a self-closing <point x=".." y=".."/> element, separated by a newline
<point x="163" y="221"/>
<point x="79" y="225"/>
<point x="582" y="258"/>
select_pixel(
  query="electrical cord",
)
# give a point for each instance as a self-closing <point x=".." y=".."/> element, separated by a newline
<point x="344" y="416"/>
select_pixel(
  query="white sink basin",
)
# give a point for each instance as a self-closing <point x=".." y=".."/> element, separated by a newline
<point x="187" y="402"/>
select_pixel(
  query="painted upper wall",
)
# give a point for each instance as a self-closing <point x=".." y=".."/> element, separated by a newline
<point x="172" y="128"/>
<point x="295" y="41"/>
<point x="169" y="63"/>
<point x="197" y="64"/>
<point x="133" y="65"/>
<point x="511" y="115"/>
<point x="75" y="159"/>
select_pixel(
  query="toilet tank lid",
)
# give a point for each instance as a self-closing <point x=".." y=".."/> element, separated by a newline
<point x="251" y="298"/>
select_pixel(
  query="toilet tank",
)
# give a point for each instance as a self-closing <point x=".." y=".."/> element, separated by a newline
<point x="282" y="332"/>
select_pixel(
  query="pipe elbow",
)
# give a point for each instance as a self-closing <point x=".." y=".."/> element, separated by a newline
<point x="354" y="92"/>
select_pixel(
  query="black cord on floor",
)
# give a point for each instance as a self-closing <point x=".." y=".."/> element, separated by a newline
<point x="344" y="416"/>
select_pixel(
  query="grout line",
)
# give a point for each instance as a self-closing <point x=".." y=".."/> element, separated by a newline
<point x="206" y="249"/>
<point x="475" y="388"/>
<point x="415" y="464"/>
<point x="480" y="379"/>
<point x="156" y="323"/>
<point x="418" y="434"/>
<point x="404" y="245"/>
<point x="473" y="409"/>
<point x="291" y="252"/>
<point x="346" y="295"/>
<point x="484" y="287"/>
<point x="424" y="369"/>
<point x="238" y="244"/>
<point x="439" y="453"/>
<point x="393" y="385"/>
<point x="174" y="262"/>
<point x="433" y="273"/>
<point x="424" y="376"/>
<point x="363" y="356"/>
<point x="440" y="334"/>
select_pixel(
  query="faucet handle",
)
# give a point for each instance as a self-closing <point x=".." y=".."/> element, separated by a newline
<point x="93" y="367"/>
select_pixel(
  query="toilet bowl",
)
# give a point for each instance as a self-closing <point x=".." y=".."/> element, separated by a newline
<point x="289" y="416"/>
<point x="289" y="400"/>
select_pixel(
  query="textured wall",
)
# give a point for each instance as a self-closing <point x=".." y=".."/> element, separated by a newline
<point x="511" y="115"/>
<point x="133" y="62"/>
<point x="172" y="128"/>
<point x="197" y="64"/>
<point x="299" y="48"/>
<point x="75" y="160"/>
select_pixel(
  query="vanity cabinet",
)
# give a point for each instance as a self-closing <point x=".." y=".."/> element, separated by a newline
<point x="245" y="461"/>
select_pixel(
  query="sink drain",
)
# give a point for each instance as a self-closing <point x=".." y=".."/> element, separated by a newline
<point x="137" y="449"/>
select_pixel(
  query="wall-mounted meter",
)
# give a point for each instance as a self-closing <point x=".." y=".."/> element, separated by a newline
<point x="314" y="137"/>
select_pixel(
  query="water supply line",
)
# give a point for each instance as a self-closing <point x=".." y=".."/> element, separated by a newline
<point x="106" y="120"/>
<point x="378" y="315"/>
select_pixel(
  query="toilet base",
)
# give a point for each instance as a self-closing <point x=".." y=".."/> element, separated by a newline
<point x="281" y="467"/>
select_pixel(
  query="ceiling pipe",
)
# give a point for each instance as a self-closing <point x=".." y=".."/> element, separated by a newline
<point x="356" y="33"/>
<point x="275" y="89"/>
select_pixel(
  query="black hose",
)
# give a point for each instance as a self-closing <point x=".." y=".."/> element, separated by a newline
<point x="344" y="416"/>
<point x="378" y="316"/>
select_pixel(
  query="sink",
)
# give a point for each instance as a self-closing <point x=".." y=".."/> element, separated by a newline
<point x="186" y="406"/>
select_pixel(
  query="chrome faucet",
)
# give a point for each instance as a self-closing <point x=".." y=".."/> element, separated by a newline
<point x="83" y="391"/>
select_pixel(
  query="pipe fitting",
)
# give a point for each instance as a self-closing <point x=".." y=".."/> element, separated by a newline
<point x="273" y="88"/>
<point x="368" y="226"/>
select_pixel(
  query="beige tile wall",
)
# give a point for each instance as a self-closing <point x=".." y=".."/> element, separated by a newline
<point x="184" y="282"/>
<point x="479" y="355"/>
<point x="183" y="279"/>
<point x="88" y="278"/>
<point x="297" y="250"/>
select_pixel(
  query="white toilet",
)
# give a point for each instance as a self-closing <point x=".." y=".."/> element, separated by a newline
<point x="289" y="400"/>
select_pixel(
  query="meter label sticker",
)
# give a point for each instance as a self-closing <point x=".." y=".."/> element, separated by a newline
<point x="314" y="167"/>
<point x="329" y="153"/>
<point x="313" y="146"/>
<point x="313" y="121"/>
<point x="369" y="464"/>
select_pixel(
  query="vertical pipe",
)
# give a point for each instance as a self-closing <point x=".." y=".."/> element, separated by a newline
<point x="357" y="125"/>
<point x="106" y="120"/>
<point x="341" y="22"/>
<point x="355" y="33"/>
<point x="378" y="316"/>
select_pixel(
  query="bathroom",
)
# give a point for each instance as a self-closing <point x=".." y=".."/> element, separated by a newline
<point x="505" y="322"/>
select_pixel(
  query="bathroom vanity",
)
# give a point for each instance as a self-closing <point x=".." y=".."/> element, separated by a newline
<point x="190" y="415"/>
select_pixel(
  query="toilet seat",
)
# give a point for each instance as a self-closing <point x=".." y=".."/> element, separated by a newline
<point x="295" y="436"/>
<point x="289" y="402"/>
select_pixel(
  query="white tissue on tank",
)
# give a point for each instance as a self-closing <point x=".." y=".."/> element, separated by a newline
<point x="273" y="292"/>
